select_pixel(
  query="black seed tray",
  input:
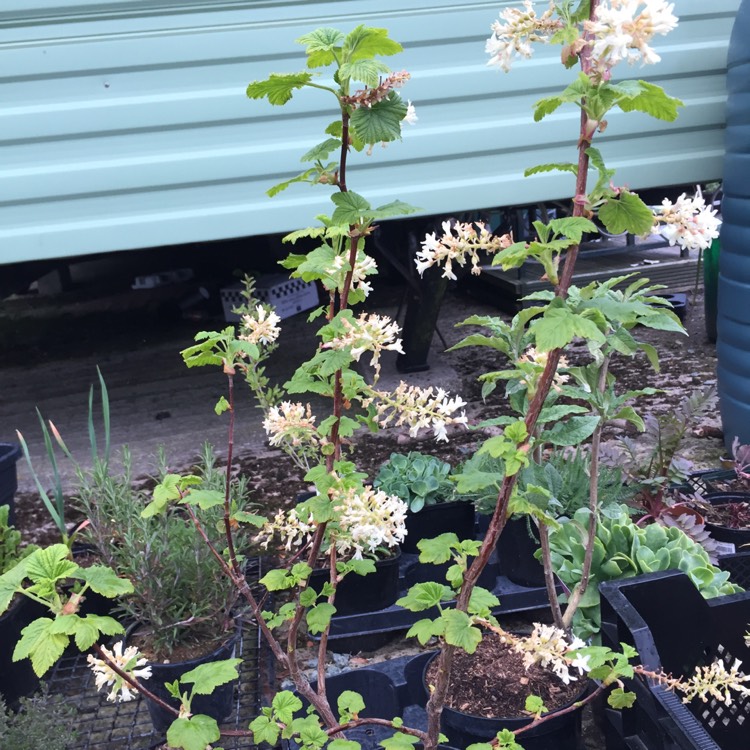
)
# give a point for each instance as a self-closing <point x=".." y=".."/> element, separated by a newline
<point x="371" y="630"/>
<point x="675" y="629"/>
<point x="738" y="566"/>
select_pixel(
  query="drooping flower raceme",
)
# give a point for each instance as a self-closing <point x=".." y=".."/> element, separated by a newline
<point x="367" y="519"/>
<point x="712" y="682"/>
<point x="623" y="29"/>
<point x="688" y="222"/>
<point x="293" y="529"/>
<point x="129" y="661"/>
<point x="291" y="422"/>
<point x="521" y="27"/>
<point x="459" y="243"/>
<point x="368" y="333"/>
<point x="262" y="327"/>
<point x="418" y="408"/>
<point x="548" y="646"/>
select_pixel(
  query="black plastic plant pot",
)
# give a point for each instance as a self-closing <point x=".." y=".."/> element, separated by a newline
<point x="9" y="455"/>
<point x="515" y="554"/>
<point x="737" y="537"/>
<point x="218" y="705"/>
<point x="359" y="594"/>
<point x="433" y="520"/>
<point x="561" y="732"/>
<point x="674" y="629"/>
<point x="17" y="679"/>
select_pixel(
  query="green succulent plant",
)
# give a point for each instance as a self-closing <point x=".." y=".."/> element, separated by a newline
<point x="417" y="478"/>
<point x="623" y="550"/>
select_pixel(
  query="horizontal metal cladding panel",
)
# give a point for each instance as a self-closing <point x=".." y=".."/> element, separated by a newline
<point x="125" y="124"/>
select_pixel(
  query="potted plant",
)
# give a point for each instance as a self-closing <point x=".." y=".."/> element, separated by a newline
<point x="423" y="482"/>
<point x="16" y="679"/>
<point x="182" y="610"/>
<point x="602" y="314"/>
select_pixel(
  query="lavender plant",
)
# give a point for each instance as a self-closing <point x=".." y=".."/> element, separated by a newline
<point x="346" y="520"/>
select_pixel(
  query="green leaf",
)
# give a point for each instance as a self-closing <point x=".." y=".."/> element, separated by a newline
<point x="626" y="213"/>
<point x="39" y="643"/>
<point x="205" y="678"/>
<point x="422" y="596"/>
<point x="204" y="499"/>
<point x="642" y="96"/>
<point x="278" y="87"/>
<point x="285" y="704"/>
<point x="265" y="730"/>
<point x="343" y="745"/>
<point x="195" y="733"/>
<point x="242" y="516"/>
<point x="482" y="602"/>
<point x="394" y="208"/>
<point x="506" y="740"/>
<point x="50" y="564"/>
<point x="319" y="617"/>
<point x="558" y="167"/>
<point x="460" y="632"/>
<point x="620" y="698"/>
<point x="367" y="41"/>
<point x="367" y="71"/>
<point x="437" y="550"/>
<point x="351" y="208"/>
<point x="381" y="122"/>
<point x="284" y="184"/>
<point x="277" y="580"/>
<point x="572" y="431"/>
<point x="105" y="581"/>
<point x="320" y="46"/>
<point x="425" y="629"/>
<point x="350" y="704"/>
<point x="10" y="582"/>
<point x="535" y="705"/>
<point x="399" y="741"/>
<point x="322" y="150"/>
<point x="222" y="405"/>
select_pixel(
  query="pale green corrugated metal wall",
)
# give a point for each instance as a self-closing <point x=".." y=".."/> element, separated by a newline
<point x="124" y="124"/>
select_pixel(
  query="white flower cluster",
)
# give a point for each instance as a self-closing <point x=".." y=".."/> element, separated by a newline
<point x="521" y="27"/>
<point x="548" y="647"/>
<point x="622" y="30"/>
<point x="289" y="527"/>
<point x="458" y="243"/>
<point x="364" y="266"/>
<point x="129" y="661"/>
<point x="368" y="333"/>
<point x="688" y="222"/>
<point x="368" y="519"/>
<point x="715" y="681"/>
<point x="418" y="408"/>
<point x="410" y="118"/>
<point x="261" y="328"/>
<point x="293" y="423"/>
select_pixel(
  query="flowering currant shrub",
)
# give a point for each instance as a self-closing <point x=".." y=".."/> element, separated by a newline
<point x="345" y="524"/>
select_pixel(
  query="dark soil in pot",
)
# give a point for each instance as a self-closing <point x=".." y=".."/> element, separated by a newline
<point x="488" y="693"/>
<point x="728" y="517"/>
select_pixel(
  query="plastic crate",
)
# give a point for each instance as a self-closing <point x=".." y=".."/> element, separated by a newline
<point x="9" y="455"/>
<point x="738" y="567"/>
<point x="703" y="481"/>
<point x="288" y="296"/>
<point x="675" y="629"/>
